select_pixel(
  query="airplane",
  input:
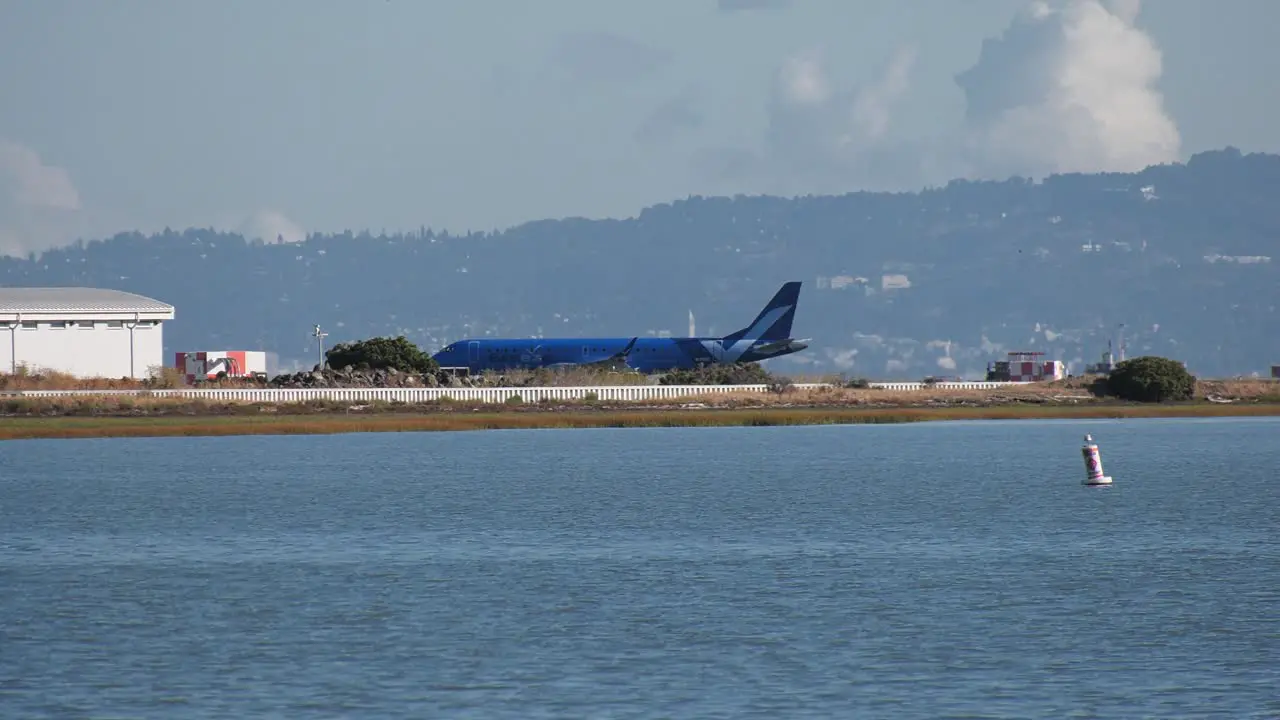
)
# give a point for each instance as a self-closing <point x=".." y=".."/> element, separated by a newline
<point x="768" y="336"/>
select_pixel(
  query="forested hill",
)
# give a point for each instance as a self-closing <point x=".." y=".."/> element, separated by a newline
<point x="895" y="285"/>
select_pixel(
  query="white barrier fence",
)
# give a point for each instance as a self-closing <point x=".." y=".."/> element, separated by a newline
<point x="488" y="395"/>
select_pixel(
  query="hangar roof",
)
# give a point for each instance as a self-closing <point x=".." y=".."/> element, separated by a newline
<point x="76" y="300"/>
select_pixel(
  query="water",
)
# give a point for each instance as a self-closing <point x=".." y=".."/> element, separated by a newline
<point x="915" y="571"/>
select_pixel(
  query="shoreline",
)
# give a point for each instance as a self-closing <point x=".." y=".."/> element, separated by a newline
<point x="202" y="419"/>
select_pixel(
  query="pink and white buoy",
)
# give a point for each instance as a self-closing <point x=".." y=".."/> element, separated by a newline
<point x="1093" y="463"/>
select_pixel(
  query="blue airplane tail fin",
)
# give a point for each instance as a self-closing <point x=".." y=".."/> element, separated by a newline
<point x="774" y="321"/>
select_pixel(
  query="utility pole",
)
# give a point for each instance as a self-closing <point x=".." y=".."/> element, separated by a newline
<point x="319" y="336"/>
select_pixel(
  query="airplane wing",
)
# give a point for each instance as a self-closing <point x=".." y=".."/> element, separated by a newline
<point x="617" y="358"/>
<point x="626" y="351"/>
<point x="609" y="361"/>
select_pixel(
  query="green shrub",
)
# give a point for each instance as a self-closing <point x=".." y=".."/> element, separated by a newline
<point x="1151" y="379"/>
<point x="381" y="353"/>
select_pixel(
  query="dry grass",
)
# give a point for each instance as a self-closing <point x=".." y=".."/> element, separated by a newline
<point x="327" y="423"/>
<point x="1240" y="389"/>
<point x="28" y="379"/>
<point x="1048" y="393"/>
<point x="158" y="377"/>
<point x="829" y="378"/>
<point x="167" y="377"/>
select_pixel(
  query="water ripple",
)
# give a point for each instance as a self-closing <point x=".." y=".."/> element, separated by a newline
<point x="774" y="572"/>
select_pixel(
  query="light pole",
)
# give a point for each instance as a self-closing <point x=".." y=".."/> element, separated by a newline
<point x="133" y="374"/>
<point x="319" y="336"/>
<point x="13" y="343"/>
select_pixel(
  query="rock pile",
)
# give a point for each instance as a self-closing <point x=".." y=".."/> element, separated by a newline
<point x="349" y="377"/>
<point x="352" y="378"/>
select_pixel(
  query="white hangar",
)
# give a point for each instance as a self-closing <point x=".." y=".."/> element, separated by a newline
<point x="86" y="332"/>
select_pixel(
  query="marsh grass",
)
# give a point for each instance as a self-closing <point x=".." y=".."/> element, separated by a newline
<point x="1080" y="388"/>
<point x="251" y="420"/>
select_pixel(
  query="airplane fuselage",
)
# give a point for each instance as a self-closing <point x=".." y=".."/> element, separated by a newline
<point x="646" y="355"/>
<point x="768" y="336"/>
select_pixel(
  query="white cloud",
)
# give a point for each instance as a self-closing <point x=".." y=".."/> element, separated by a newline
<point x="813" y="126"/>
<point x="38" y="202"/>
<point x="946" y="362"/>
<point x="818" y="138"/>
<point x="31" y="183"/>
<point x="842" y="358"/>
<point x="1066" y="88"/>
<point x="869" y="341"/>
<point x="802" y="81"/>
<point x="606" y="57"/>
<point x="271" y="226"/>
<point x="873" y="107"/>
<point x="1126" y="10"/>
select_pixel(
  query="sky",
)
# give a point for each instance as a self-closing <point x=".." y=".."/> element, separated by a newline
<point x="293" y="116"/>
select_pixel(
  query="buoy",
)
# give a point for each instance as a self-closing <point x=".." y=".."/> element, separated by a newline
<point x="1093" y="463"/>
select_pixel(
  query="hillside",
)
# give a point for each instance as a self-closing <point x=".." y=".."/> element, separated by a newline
<point x="896" y="285"/>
